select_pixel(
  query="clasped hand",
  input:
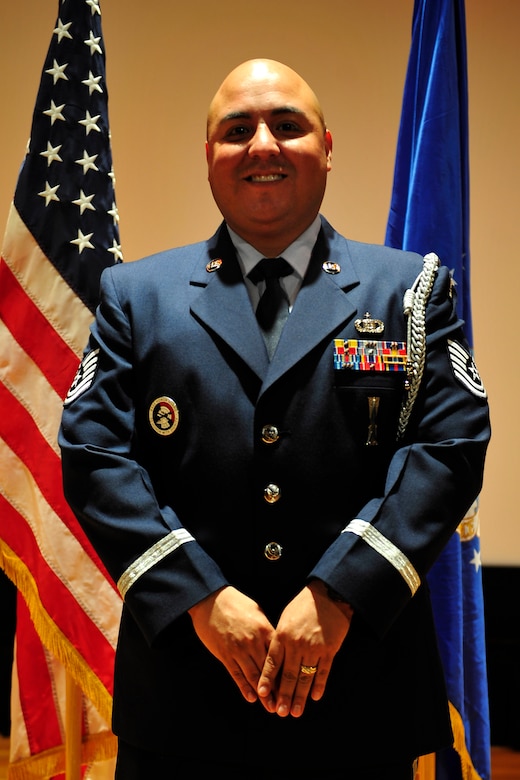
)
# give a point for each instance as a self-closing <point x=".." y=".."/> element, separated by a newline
<point x="264" y="660"/>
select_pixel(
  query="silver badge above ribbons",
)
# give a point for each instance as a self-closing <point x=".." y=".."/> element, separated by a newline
<point x="369" y="325"/>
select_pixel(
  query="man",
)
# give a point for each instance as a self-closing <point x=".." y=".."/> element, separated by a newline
<point x="270" y="520"/>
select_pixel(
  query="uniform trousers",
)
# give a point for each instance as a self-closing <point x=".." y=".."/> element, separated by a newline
<point x="133" y="763"/>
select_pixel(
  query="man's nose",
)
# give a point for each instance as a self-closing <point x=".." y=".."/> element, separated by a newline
<point x="263" y="143"/>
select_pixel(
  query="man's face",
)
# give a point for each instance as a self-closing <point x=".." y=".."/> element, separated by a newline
<point x="268" y="154"/>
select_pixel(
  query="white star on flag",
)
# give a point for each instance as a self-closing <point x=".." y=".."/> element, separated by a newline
<point x="90" y="123"/>
<point x="94" y="6"/>
<point x="83" y="241"/>
<point x="55" y="112"/>
<point x="49" y="193"/>
<point x="84" y="202"/>
<point x="92" y="83"/>
<point x="114" y="213"/>
<point x="476" y="560"/>
<point x="88" y="162"/>
<point x="62" y="30"/>
<point x="93" y="43"/>
<point x="58" y="72"/>
<point x="52" y="153"/>
<point x="116" y="250"/>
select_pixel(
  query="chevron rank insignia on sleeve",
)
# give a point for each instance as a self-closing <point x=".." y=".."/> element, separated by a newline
<point x="465" y="370"/>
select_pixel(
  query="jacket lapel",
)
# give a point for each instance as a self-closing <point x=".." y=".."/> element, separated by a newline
<point x="223" y="304"/>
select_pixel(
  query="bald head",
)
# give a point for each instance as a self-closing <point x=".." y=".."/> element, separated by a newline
<point x="268" y="153"/>
<point x="249" y="75"/>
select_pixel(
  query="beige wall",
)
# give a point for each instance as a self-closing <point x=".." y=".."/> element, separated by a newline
<point x="165" y="60"/>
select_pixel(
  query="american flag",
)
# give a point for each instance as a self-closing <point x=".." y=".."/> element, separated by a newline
<point x="62" y="231"/>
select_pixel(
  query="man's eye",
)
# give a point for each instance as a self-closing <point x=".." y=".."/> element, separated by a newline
<point x="240" y="131"/>
<point x="288" y="127"/>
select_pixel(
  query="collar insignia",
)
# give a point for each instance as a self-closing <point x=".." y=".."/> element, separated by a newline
<point x="213" y="265"/>
<point x="331" y="268"/>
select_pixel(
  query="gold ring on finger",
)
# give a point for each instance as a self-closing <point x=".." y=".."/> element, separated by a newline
<point x="308" y="669"/>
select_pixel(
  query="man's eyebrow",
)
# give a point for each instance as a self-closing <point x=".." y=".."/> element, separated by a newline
<point x="234" y="115"/>
<point x="287" y="110"/>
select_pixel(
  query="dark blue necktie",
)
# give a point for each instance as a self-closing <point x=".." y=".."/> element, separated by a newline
<point x="273" y="307"/>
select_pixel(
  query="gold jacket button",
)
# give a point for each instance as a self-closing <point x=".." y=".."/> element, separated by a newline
<point x="272" y="493"/>
<point x="270" y="434"/>
<point x="273" y="551"/>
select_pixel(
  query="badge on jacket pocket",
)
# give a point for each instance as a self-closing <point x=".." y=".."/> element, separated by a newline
<point x="163" y="415"/>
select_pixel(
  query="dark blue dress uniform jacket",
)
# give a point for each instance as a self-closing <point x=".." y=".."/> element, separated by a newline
<point x="170" y="327"/>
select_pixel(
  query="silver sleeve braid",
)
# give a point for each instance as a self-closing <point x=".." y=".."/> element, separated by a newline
<point x="414" y="304"/>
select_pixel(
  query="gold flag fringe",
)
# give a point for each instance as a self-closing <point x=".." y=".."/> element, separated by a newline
<point x="52" y="637"/>
<point x="99" y="747"/>
<point x="459" y="743"/>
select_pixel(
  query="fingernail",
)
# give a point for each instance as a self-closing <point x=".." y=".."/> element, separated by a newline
<point x="263" y="690"/>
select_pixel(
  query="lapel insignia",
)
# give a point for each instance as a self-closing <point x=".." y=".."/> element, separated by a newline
<point x="213" y="265"/>
<point x="163" y="415"/>
<point x="369" y="325"/>
<point x="331" y="268"/>
<point x="361" y="355"/>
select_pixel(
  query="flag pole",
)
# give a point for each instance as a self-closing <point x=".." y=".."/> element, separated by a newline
<point x="73" y="729"/>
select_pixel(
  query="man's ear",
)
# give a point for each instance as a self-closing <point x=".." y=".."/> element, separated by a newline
<point x="328" y="146"/>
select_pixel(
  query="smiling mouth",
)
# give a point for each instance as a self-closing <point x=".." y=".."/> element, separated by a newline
<point x="265" y="177"/>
